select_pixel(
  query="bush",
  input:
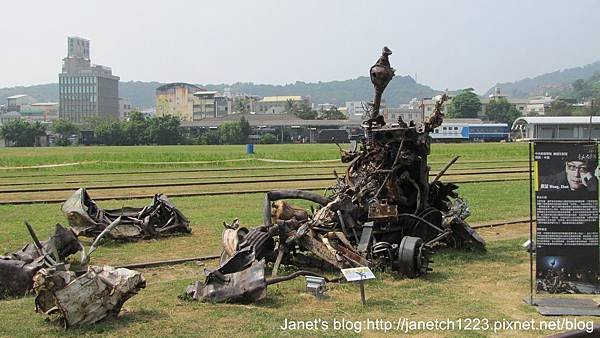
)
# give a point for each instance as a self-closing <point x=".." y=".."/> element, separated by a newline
<point x="210" y="137"/>
<point x="268" y="139"/>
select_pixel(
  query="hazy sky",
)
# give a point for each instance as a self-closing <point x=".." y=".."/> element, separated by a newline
<point x="448" y="44"/>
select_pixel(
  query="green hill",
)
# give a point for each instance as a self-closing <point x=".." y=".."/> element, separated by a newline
<point x="141" y="94"/>
<point x="551" y="83"/>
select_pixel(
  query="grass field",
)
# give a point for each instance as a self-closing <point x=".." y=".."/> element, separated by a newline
<point x="105" y="157"/>
<point x="487" y="285"/>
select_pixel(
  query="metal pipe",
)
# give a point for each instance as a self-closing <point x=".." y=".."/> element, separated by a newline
<point x="530" y="225"/>
<point x="166" y="262"/>
<point x="437" y="177"/>
<point x="300" y="273"/>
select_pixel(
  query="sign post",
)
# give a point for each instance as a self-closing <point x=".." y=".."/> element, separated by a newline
<point x="359" y="275"/>
<point x="567" y="229"/>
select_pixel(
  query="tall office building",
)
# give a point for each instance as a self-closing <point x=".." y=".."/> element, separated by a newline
<point x="86" y="90"/>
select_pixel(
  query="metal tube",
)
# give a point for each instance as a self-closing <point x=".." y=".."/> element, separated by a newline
<point x="437" y="177"/>
<point x="166" y="262"/>
<point x="361" y="285"/>
<point x="530" y="225"/>
<point x="36" y="241"/>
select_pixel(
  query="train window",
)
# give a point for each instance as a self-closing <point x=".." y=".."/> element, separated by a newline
<point x="455" y="128"/>
<point x="443" y="128"/>
<point x="436" y="131"/>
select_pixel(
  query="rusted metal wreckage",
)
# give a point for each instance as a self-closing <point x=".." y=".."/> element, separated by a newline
<point x="79" y="296"/>
<point x="86" y="219"/>
<point x="18" y="268"/>
<point x="89" y="220"/>
<point x="382" y="212"/>
<point x="85" y="296"/>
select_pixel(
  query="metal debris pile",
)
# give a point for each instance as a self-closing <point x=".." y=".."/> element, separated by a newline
<point x="383" y="211"/>
<point x="85" y="296"/>
<point x="159" y="218"/>
<point x="81" y="297"/>
<point x="555" y="281"/>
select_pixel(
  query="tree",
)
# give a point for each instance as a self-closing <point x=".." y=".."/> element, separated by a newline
<point x="136" y="129"/>
<point x="231" y="133"/>
<point x="234" y="132"/>
<point x="305" y="112"/>
<point x="502" y="111"/>
<point x="210" y="137"/>
<point x="332" y="114"/>
<point x="110" y="132"/>
<point x="64" y="129"/>
<point x="559" y="108"/>
<point x="240" y="105"/>
<point x="245" y="126"/>
<point x="164" y="130"/>
<point x="268" y="138"/>
<point x="465" y="105"/>
<point x="579" y="85"/>
<point x="290" y="105"/>
<point x="22" y="133"/>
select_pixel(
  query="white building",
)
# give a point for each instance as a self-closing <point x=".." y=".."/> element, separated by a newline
<point x="279" y="104"/>
<point x="556" y="127"/>
<point x="15" y="102"/>
<point x="355" y="110"/>
<point x="539" y="105"/>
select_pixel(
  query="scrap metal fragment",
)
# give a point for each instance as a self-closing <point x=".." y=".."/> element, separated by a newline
<point x="87" y="299"/>
<point x="18" y="268"/>
<point x="88" y="219"/>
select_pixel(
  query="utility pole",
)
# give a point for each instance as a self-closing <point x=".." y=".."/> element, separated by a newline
<point x="591" y="114"/>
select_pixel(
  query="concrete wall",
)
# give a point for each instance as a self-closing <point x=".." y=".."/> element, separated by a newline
<point x="108" y="98"/>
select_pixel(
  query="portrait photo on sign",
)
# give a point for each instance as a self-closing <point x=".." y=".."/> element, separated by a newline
<point x="568" y="167"/>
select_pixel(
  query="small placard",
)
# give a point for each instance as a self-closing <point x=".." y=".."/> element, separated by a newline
<point x="357" y="274"/>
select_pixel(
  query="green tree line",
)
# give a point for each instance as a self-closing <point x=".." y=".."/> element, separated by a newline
<point x="467" y="105"/>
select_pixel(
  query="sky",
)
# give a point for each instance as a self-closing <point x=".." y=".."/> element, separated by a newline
<point x="445" y="44"/>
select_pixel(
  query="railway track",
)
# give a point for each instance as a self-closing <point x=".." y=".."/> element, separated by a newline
<point x="286" y="167"/>
<point x="213" y="193"/>
<point x="111" y="178"/>
<point x="171" y="179"/>
<point x="233" y="180"/>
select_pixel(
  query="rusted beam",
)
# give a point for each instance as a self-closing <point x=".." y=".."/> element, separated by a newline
<point x="166" y="262"/>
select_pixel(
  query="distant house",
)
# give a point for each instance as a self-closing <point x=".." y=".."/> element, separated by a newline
<point x="16" y="102"/>
<point x="279" y="104"/>
<point x="177" y="99"/>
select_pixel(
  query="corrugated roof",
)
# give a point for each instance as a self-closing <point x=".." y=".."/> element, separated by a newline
<point x="205" y="92"/>
<point x="281" y="98"/>
<point x="41" y="104"/>
<point x="557" y="120"/>
<point x="270" y="120"/>
<point x="178" y="84"/>
<point x="16" y="96"/>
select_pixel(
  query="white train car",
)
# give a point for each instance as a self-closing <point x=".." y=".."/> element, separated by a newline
<point x="451" y="132"/>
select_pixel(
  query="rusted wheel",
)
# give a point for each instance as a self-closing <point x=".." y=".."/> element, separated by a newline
<point x="412" y="257"/>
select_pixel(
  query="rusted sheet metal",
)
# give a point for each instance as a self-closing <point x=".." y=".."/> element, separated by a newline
<point x="18" y="268"/>
<point x="88" y="219"/>
<point x="383" y="212"/>
<point x="87" y="299"/>
<point x="248" y="285"/>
